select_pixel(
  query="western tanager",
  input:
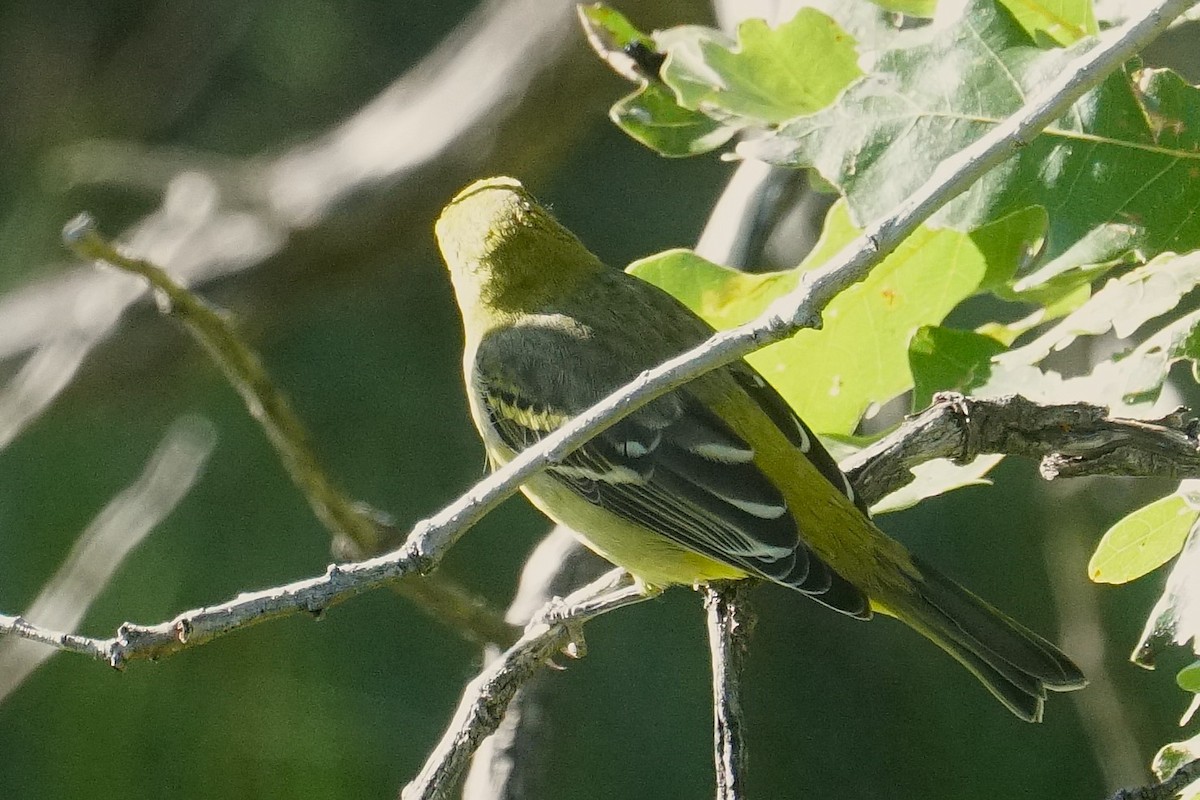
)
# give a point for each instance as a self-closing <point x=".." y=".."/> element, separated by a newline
<point x="717" y="480"/>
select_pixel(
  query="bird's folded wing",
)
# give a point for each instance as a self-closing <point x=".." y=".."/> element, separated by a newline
<point x="676" y="468"/>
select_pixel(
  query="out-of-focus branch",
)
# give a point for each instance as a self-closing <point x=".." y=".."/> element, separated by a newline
<point x="103" y="546"/>
<point x="357" y="530"/>
<point x="282" y="224"/>
<point x="285" y="224"/>
<point x="729" y="624"/>
<point x="245" y="371"/>
<point x="1070" y="440"/>
<point x="487" y="696"/>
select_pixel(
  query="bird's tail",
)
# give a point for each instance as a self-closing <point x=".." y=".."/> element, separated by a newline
<point x="1013" y="662"/>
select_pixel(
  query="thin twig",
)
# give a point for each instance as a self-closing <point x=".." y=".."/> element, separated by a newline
<point x="488" y="695"/>
<point x="1070" y="440"/>
<point x="246" y="373"/>
<point x="195" y="627"/>
<point x="357" y="530"/>
<point x="1166" y="790"/>
<point x="729" y="624"/>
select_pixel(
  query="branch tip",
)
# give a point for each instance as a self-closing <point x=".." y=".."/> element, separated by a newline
<point x="81" y="227"/>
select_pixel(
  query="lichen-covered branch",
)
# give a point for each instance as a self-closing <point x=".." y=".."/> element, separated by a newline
<point x="729" y="623"/>
<point x="1070" y="440"/>
<point x="1168" y="789"/>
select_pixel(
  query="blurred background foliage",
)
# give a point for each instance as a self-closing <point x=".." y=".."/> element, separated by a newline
<point x="365" y="339"/>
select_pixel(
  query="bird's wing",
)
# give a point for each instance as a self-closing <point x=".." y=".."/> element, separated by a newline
<point x="676" y="468"/>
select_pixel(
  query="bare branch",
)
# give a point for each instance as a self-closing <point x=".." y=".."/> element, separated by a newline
<point x="955" y="427"/>
<point x="729" y="624"/>
<point x="1071" y="440"/>
<point x="487" y="696"/>
<point x="197" y="626"/>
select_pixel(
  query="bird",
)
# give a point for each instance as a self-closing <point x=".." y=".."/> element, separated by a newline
<point x="717" y="480"/>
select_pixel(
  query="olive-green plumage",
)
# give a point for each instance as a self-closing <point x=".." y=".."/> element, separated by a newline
<point x="716" y="480"/>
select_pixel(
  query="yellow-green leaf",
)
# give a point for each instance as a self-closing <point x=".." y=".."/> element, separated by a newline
<point x="833" y="375"/>
<point x="1143" y="541"/>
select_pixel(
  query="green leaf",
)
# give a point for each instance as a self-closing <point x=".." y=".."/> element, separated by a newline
<point x="859" y="357"/>
<point x="1188" y="678"/>
<point x="709" y="87"/>
<point x="937" y="477"/>
<point x="943" y="359"/>
<point x="1143" y="541"/>
<point x="1135" y="379"/>
<point x="1123" y="305"/>
<point x="1125" y="154"/>
<point x="651" y="116"/>
<point x="1129" y="383"/>
<point x="616" y="40"/>
<point x="768" y="75"/>
<point x="1098" y="251"/>
<point x="1061" y="21"/>
<point x="916" y="8"/>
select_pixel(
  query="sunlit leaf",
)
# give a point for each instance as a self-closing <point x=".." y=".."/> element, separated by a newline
<point x="859" y="357"/>
<point x="767" y="75"/>
<point x="1123" y="305"/>
<point x="1188" y="678"/>
<point x="1175" y="619"/>
<point x="698" y="87"/>
<point x="1144" y="540"/>
<point x="652" y="117"/>
<point x="917" y="8"/>
<point x="1127" y="153"/>
<point x="937" y="477"/>
<point x="1060" y="21"/>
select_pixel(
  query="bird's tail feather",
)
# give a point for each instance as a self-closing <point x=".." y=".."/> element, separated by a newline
<point x="1013" y="662"/>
